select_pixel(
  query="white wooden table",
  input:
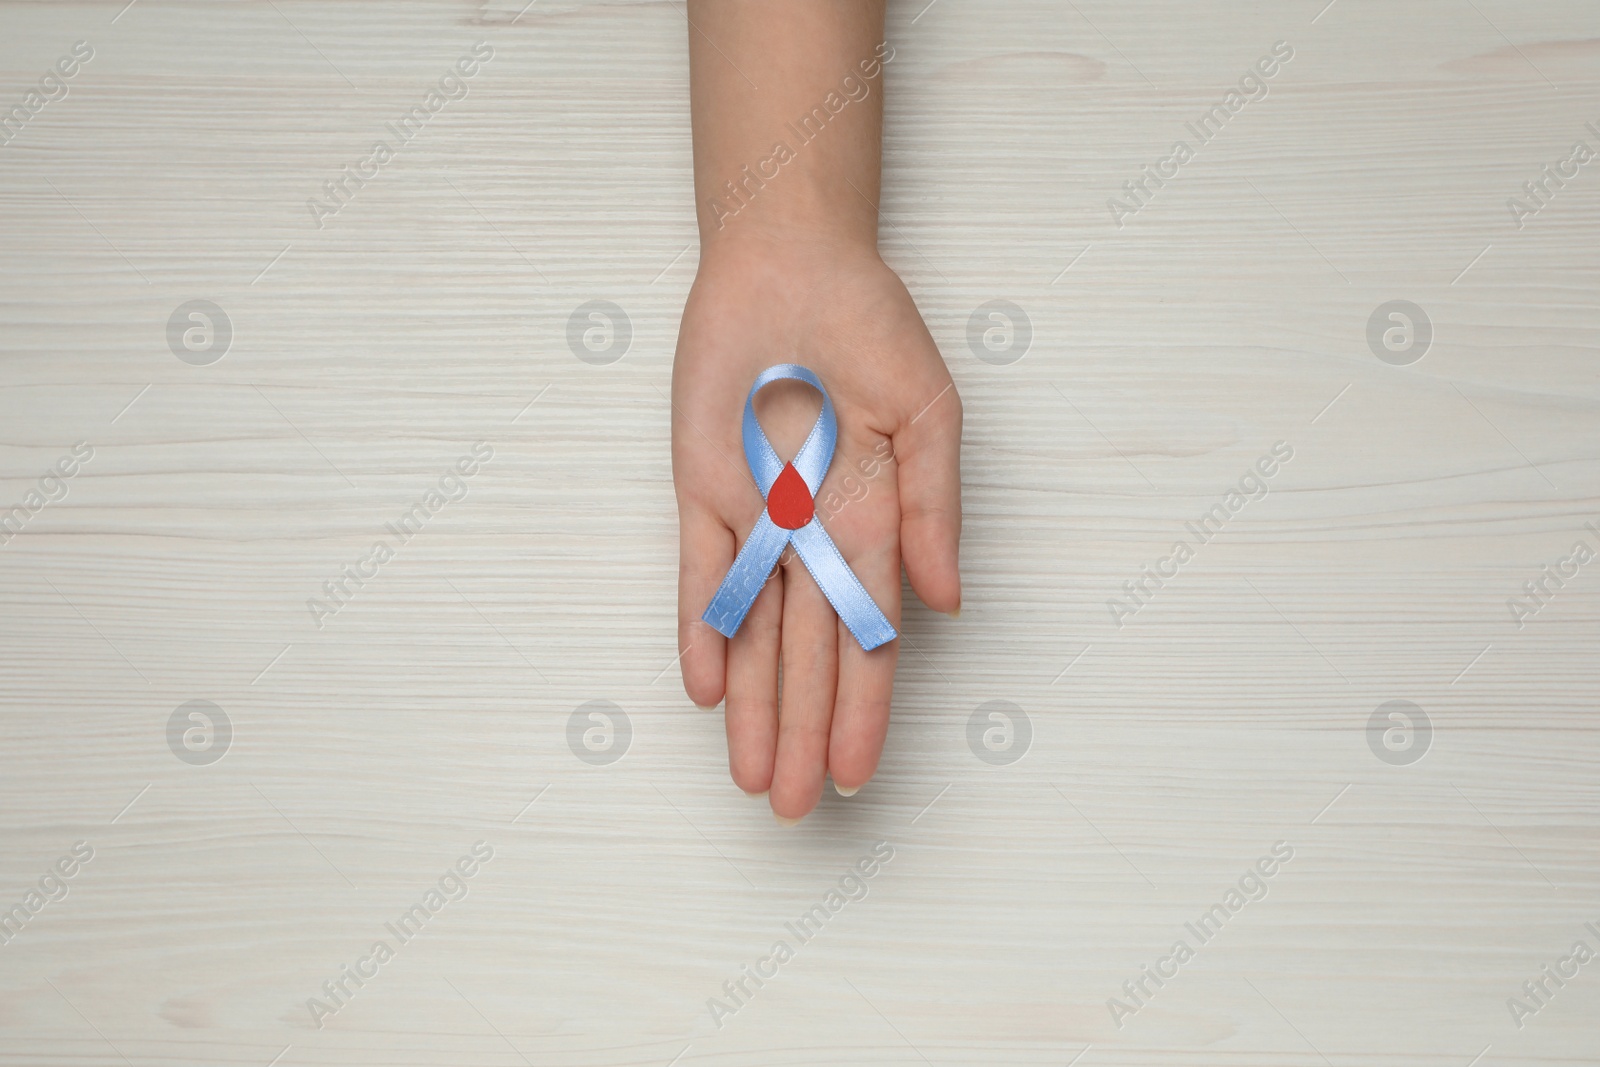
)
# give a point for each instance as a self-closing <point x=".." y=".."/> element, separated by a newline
<point x="1433" y="872"/>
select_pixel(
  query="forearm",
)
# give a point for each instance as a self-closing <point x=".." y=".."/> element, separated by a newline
<point x="787" y="102"/>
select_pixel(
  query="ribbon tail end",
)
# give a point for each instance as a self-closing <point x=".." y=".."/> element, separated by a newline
<point x="875" y="640"/>
<point x="850" y="599"/>
<point x="718" y="624"/>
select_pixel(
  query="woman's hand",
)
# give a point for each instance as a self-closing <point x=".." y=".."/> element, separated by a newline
<point x="787" y="102"/>
<point x="891" y="494"/>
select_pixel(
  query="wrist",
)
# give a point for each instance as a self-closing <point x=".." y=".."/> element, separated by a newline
<point x="822" y="209"/>
<point x="777" y="258"/>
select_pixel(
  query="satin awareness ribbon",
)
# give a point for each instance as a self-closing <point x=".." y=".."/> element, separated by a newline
<point x="789" y="517"/>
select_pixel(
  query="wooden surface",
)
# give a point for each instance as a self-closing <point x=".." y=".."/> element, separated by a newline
<point x="432" y="710"/>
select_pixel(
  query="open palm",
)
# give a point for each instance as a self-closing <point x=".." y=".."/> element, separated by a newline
<point x="892" y="493"/>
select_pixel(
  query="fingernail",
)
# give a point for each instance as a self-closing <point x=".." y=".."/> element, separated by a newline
<point x="763" y="793"/>
<point x="706" y="707"/>
<point x="842" y="791"/>
<point x="785" y="822"/>
<point x="956" y="614"/>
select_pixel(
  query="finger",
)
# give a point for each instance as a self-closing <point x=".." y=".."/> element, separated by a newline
<point x="927" y="452"/>
<point x="752" y="712"/>
<point x="705" y="552"/>
<point x="805" y="708"/>
<point x="866" y="679"/>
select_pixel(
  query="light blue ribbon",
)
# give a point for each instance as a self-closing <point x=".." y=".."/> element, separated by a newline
<point x="816" y="549"/>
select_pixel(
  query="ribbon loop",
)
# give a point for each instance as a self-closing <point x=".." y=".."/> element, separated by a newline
<point x="760" y="551"/>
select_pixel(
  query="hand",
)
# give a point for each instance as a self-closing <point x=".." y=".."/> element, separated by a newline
<point x="893" y="493"/>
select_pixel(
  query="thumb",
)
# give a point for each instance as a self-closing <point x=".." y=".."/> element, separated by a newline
<point x="927" y="452"/>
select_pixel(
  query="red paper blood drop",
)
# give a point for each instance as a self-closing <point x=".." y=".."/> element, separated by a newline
<point x="789" y="501"/>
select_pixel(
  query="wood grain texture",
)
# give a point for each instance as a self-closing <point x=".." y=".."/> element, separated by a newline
<point x="432" y="711"/>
